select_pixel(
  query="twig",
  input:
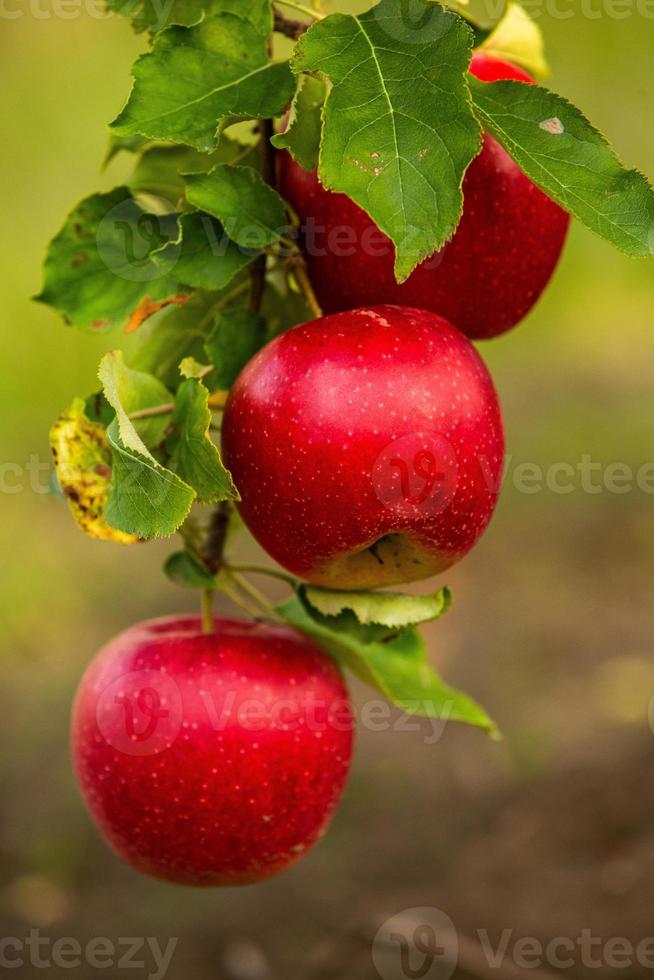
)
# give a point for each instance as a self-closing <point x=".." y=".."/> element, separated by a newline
<point x="207" y="611"/>
<point x="214" y="545"/>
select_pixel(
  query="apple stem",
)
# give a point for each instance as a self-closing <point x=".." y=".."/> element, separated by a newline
<point x="263" y="570"/>
<point x="239" y="600"/>
<point x="253" y="593"/>
<point x="207" y="612"/>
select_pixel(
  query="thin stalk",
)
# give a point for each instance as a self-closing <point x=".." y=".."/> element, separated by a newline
<point x="221" y="302"/>
<point x="300" y="272"/>
<point x="262" y="570"/>
<point x="239" y="601"/>
<point x="146" y="413"/>
<point x="253" y="593"/>
<point x="301" y="9"/>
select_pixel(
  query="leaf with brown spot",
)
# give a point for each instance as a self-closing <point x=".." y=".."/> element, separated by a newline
<point x="99" y="266"/>
<point x="82" y="460"/>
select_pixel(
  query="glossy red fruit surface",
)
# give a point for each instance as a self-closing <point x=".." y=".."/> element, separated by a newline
<point x="211" y="759"/>
<point x="367" y="447"/>
<point x="484" y="281"/>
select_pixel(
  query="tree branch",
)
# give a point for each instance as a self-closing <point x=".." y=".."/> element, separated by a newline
<point x="214" y="545"/>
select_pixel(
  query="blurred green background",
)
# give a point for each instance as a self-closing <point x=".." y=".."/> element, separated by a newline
<point x="546" y="833"/>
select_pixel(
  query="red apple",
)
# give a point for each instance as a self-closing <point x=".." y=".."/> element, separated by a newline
<point x="367" y="447"/>
<point x="211" y="759"/>
<point x="484" y="281"/>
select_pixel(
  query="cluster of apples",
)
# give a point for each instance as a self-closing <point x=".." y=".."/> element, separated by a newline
<point x="368" y="448"/>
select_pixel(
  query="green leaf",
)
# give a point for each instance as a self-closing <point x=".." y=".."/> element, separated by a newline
<point x="519" y="39"/>
<point x="193" y="455"/>
<point x="160" y="167"/>
<point x="398" y="126"/>
<point x="176" y="333"/>
<point x="155" y="15"/>
<point x="82" y="459"/>
<point x="144" y="498"/>
<point x="122" y="144"/>
<point x="183" y="569"/>
<point x="394" y="610"/>
<point x="237" y="337"/>
<point x="398" y="667"/>
<point x="251" y="211"/>
<point x="99" y="267"/>
<point x="190" y="368"/>
<point x="570" y="160"/>
<point x="258" y="12"/>
<point x="203" y="256"/>
<point x="135" y="391"/>
<point x="197" y="79"/>
<point x="302" y="135"/>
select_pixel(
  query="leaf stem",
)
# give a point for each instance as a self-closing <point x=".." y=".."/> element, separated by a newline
<point x="167" y="407"/>
<point x="221" y="302"/>
<point x="301" y="9"/>
<point x="146" y="413"/>
<point x="299" y="269"/>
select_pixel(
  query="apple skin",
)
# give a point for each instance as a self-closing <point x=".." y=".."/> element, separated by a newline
<point x="484" y="281"/>
<point x="237" y="764"/>
<point x="367" y="447"/>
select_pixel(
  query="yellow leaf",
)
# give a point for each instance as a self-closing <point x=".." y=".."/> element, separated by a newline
<point x="82" y="460"/>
